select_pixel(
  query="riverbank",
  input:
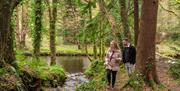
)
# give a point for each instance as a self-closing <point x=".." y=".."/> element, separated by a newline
<point x="97" y="74"/>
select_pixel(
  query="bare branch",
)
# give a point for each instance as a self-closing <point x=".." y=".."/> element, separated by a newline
<point x="170" y="11"/>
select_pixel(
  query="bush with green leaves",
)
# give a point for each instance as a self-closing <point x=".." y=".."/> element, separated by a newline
<point x="54" y="75"/>
<point x="10" y="80"/>
<point x="94" y="68"/>
<point x="90" y="86"/>
<point x="96" y="71"/>
<point x="175" y="70"/>
<point x="136" y="81"/>
<point x="51" y="76"/>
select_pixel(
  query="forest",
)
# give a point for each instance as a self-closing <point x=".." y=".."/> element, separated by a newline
<point x="69" y="45"/>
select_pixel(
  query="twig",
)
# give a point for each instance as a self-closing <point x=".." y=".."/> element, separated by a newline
<point x="170" y="11"/>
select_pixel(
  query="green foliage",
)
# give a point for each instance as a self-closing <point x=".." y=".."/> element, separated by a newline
<point x="51" y="75"/>
<point x="2" y="71"/>
<point x="175" y="70"/>
<point x="91" y="86"/>
<point x="136" y="81"/>
<point x="48" y="72"/>
<point x="170" y="46"/>
<point x="96" y="70"/>
<point x="19" y="55"/>
<point x="84" y="7"/>
<point x="10" y="79"/>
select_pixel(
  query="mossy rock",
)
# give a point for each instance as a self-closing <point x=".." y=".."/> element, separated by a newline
<point x="52" y="76"/>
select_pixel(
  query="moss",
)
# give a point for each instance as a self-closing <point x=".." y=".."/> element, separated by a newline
<point x="96" y="71"/>
<point x="54" y="75"/>
<point x="32" y="71"/>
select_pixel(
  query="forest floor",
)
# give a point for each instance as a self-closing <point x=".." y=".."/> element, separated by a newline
<point x="163" y="65"/>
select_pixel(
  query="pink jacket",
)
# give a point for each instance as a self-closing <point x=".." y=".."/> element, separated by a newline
<point x="112" y="61"/>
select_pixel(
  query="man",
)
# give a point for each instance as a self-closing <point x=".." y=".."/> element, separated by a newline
<point x="128" y="56"/>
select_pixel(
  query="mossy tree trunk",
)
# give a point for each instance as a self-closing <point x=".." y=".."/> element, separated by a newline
<point x="124" y="18"/>
<point x="94" y="35"/>
<point x="146" y="41"/>
<point x="52" y="18"/>
<point x="6" y="32"/>
<point x="37" y="29"/>
<point x="21" y="24"/>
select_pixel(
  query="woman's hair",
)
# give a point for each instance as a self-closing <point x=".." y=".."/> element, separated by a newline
<point x="115" y="44"/>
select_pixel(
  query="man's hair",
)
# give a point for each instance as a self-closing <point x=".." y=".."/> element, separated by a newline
<point x="126" y="39"/>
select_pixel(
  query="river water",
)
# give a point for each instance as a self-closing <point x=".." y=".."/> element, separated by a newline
<point x="74" y="67"/>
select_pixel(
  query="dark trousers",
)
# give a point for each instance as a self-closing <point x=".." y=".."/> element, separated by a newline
<point x="111" y="75"/>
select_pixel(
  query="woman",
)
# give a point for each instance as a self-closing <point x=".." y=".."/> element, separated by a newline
<point x="112" y="61"/>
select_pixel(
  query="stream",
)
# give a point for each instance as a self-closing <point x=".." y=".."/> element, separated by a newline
<point x="74" y="67"/>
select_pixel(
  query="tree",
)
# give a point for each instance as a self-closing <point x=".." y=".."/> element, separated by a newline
<point x="136" y="20"/>
<point x="21" y="24"/>
<point x="146" y="40"/>
<point x="94" y="35"/>
<point x="52" y="19"/>
<point x="124" y="18"/>
<point x="6" y="31"/>
<point x="37" y="29"/>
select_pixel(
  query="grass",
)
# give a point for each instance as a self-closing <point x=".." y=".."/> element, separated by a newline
<point x="60" y="46"/>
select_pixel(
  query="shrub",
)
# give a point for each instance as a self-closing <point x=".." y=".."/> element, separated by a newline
<point x="96" y="71"/>
<point x="31" y="70"/>
<point x="136" y="81"/>
<point x="175" y="70"/>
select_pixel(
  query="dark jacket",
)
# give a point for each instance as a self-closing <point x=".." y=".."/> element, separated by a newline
<point x="131" y="55"/>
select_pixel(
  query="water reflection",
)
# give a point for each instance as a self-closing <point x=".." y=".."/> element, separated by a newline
<point x="72" y="64"/>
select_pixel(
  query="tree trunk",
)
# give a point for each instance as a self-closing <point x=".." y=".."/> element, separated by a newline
<point x="136" y="21"/>
<point x="18" y="27"/>
<point x="94" y="37"/>
<point x="124" y="18"/>
<point x="21" y="25"/>
<point x="52" y="17"/>
<point x="24" y="24"/>
<point x="37" y="30"/>
<point x="146" y="40"/>
<point x="6" y="32"/>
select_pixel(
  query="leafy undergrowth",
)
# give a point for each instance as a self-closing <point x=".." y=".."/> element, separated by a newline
<point x="170" y="46"/>
<point x="10" y="80"/>
<point x="96" y="72"/>
<point x="136" y="81"/>
<point x="35" y="73"/>
<point x="175" y="71"/>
